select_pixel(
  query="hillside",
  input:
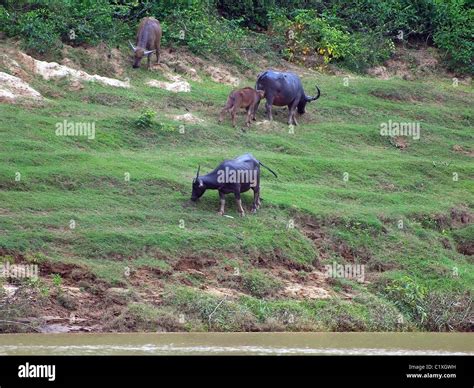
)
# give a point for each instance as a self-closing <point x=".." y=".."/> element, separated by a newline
<point x="120" y="248"/>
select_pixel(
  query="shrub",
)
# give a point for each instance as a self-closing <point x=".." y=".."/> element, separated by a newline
<point x="454" y="23"/>
<point x="307" y="35"/>
<point x="146" y="119"/>
<point x="259" y="284"/>
<point x="44" y="26"/>
<point x="355" y="33"/>
<point x="409" y="296"/>
<point x="214" y="313"/>
<point x="39" y="33"/>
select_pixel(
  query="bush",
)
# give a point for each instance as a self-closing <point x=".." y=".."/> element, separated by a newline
<point x="146" y="119"/>
<point x="409" y="296"/>
<point x="203" y="32"/>
<point x="448" y="312"/>
<point x="355" y="33"/>
<point x="259" y="284"/>
<point x="453" y="34"/>
<point x="39" y="33"/>
<point x="307" y="35"/>
<point x="44" y="26"/>
<point x="214" y="313"/>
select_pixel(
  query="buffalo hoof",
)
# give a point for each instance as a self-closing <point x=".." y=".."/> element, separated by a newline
<point x="242" y="214"/>
<point x="220" y="213"/>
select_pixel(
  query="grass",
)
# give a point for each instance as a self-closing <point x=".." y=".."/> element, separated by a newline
<point x="146" y="221"/>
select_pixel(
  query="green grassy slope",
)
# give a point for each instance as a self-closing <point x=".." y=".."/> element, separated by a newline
<point x="137" y="225"/>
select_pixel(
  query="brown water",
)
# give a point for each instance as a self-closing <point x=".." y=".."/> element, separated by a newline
<point x="238" y="344"/>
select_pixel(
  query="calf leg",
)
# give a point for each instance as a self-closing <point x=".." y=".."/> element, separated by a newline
<point x="222" y="201"/>
<point x="254" y="110"/>
<point x="249" y="116"/>
<point x="228" y="105"/>
<point x="223" y="112"/>
<point x="233" y="113"/>
<point x="236" y="107"/>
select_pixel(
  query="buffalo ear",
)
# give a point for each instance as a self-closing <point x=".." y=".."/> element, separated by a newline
<point x="201" y="184"/>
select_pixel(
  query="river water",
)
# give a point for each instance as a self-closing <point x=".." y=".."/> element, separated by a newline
<point x="238" y="344"/>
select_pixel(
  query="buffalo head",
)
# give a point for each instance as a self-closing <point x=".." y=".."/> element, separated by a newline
<point x="198" y="187"/>
<point x="139" y="53"/>
<point x="303" y="102"/>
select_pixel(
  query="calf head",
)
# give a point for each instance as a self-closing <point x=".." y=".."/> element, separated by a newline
<point x="198" y="187"/>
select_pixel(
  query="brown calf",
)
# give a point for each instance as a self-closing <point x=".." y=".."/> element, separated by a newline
<point x="247" y="98"/>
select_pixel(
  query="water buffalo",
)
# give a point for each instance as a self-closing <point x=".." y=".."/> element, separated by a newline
<point x="247" y="98"/>
<point x="232" y="176"/>
<point x="283" y="89"/>
<point x="148" y="41"/>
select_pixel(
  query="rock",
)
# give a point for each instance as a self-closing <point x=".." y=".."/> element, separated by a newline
<point x="10" y="290"/>
<point x="222" y="76"/>
<point x="117" y="291"/>
<point x="13" y="88"/>
<point x="53" y="70"/>
<point x="188" y="118"/>
<point x="75" y="85"/>
<point x="379" y="72"/>
<point x="299" y="291"/>
<point x="117" y="295"/>
<point x="177" y="86"/>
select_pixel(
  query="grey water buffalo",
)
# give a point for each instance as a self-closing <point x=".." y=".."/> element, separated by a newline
<point x="247" y="98"/>
<point x="148" y="41"/>
<point x="282" y="89"/>
<point x="232" y="176"/>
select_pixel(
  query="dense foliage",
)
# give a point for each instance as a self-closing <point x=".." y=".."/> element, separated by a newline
<point x="355" y="33"/>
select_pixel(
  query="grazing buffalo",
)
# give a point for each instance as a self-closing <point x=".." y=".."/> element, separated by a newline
<point x="148" y="41"/>
<point x="232" y="176"/>
<point x="283" y="89"/>
<point x="247" y="98"/>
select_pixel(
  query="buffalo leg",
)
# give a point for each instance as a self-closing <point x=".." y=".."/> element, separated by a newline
<point x="294" y="119"/>
<point x="256" y="199"/>
<point x="222" y="202"/>
<point x="240" y="209"/>
<point x="292" y="114"/>
<point x="268" y="107"/>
